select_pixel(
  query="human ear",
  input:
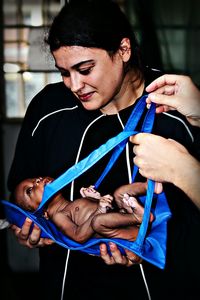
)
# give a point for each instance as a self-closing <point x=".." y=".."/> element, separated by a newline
<point x="125" y="49"/>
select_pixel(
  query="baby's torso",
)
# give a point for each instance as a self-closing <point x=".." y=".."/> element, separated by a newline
<point x="79" y="210"/>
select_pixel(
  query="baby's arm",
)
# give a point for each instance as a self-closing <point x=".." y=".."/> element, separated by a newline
<point x="105" y="203"/>
<point x="79" y="233"/>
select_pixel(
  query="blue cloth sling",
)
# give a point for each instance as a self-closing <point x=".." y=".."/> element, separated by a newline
<point x="150" y="244"/>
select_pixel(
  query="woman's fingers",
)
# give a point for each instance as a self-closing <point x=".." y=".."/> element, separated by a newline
<point x="134" y="258"/>
<point x="30" y="237"/>
<point x="115" y="256"/>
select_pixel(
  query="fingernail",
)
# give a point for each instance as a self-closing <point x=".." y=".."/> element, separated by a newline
<point x="28" y="220"/>
<point x="148" y="105"/>
<point x="152" y="96"/>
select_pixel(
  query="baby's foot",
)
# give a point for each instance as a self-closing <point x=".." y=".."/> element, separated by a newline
<point x="137" y="209"/>
<point x="130" y="200"/>
<point x="90" y="192"/>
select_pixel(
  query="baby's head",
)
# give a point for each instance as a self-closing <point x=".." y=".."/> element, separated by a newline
<point x="28" y="193"/>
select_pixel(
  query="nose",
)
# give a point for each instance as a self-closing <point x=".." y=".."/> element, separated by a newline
<point x="75" y="83"/>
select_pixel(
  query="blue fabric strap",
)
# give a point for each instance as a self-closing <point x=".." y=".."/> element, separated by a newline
<point x="130" y="125"/>
<point x="147" y="210"/>
<point x="147" y="126"/>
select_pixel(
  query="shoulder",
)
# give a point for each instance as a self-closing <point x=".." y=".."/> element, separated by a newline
<point x="52" y="97"/>
<point x="151" y="74"/>
<point x="51" y="105"/>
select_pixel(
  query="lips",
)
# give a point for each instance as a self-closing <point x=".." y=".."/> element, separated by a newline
<point x="85" y="97"/>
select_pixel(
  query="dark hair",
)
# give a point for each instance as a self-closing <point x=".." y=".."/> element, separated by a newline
<point x="93" y="24"/>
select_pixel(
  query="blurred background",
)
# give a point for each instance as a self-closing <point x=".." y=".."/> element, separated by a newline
<point x="169" y="34"/>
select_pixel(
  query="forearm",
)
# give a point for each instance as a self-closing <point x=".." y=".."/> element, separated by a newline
<point x="194" y="121"/>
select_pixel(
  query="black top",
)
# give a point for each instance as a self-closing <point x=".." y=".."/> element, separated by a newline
<point x="54" y="128"/>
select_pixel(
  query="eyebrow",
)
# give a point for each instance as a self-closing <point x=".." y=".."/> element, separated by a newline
<point x="76" y="66"/>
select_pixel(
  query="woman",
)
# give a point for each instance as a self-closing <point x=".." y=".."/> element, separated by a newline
<point x="103" y="78"/>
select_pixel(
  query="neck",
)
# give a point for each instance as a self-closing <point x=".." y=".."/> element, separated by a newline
<point x="131" y="89"/>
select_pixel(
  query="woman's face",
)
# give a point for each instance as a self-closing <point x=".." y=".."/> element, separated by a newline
<point x="91" y="74"/>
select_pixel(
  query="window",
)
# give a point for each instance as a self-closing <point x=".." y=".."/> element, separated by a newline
<point x="169" y="32"/>
<point x="27" y="64"/>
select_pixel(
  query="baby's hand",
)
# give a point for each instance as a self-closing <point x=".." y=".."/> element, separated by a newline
<point x="105" y="203"/>
<point x="90" y="192"/>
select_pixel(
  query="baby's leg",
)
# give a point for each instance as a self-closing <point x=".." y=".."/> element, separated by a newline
<point x="90" y="192"/>
<point x="137" y="208"/>
<point x="116" y="225"/>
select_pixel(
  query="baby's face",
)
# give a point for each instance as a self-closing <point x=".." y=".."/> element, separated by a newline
<point x="29" y="192"/>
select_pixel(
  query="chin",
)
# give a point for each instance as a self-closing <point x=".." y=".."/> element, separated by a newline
<point x="91" y="106"/>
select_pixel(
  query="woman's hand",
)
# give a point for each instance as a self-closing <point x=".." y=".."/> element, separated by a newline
<point x="116" y="257"/>
<point x="158" y="158"/>
<point x="30" y="240"/>
<point x="176" y="92"/>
